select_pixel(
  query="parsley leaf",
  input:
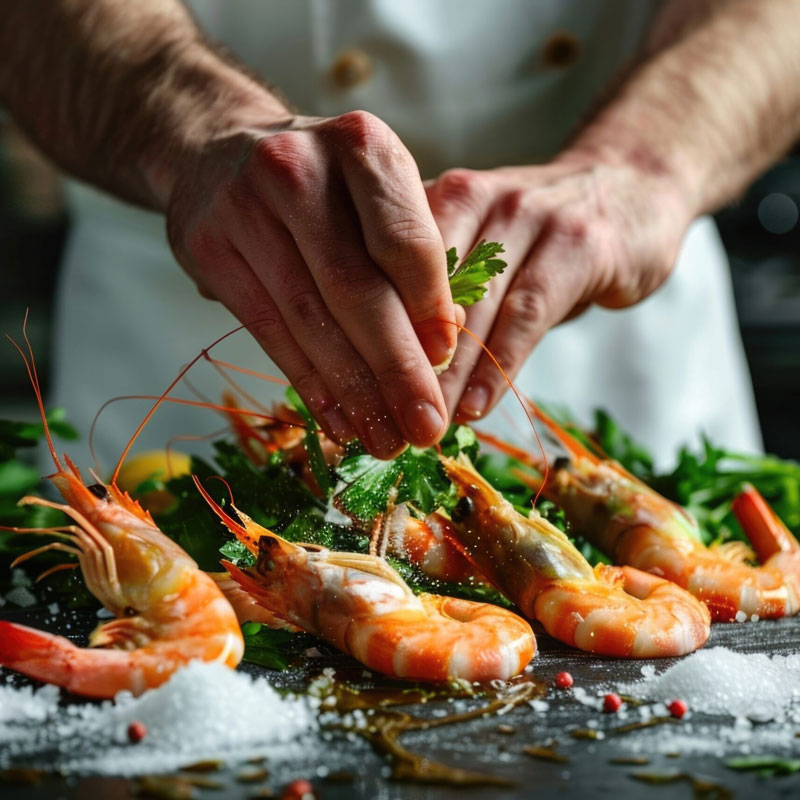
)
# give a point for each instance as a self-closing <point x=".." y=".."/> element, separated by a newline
<point x="274" y="648"/>
<point x="416" y="475"/>
<point x="237" y="554"/>
<point x="468" y="280"/>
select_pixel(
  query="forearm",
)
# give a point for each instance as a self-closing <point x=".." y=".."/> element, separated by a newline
<point x="714" y="103"/>
<point x="119" y="92"/>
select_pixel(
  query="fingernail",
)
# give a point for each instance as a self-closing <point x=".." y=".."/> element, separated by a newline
<point x="439" y="345"/>
<point x="338" y="424"/>
<point x="474" y="401"/>
<point x="423" y="422"/>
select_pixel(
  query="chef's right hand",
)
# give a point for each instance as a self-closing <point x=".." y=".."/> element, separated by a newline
<point x="318" y="232"/>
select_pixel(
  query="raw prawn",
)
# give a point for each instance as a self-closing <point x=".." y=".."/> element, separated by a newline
<point x="428" y="544"/>
<point x="361" y="606"/>
<point x="635" y="525"/>
<point x="168" y="612"/>
<point x="424" y="543"/>
<point x="615" y="611"/>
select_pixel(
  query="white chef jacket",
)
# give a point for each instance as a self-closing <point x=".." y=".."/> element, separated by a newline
<point x="463" y="83"/>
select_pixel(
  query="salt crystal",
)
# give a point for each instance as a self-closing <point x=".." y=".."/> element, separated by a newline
<point x="740" y="616"/>
<point x="104" y="613"/>
<point x="227" y="714"/>
<point x="721" y="681"/>
<point x="21" y="596"/>
<point x="53" y="609"/>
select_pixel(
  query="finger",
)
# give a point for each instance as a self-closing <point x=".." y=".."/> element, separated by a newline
<point x="398" y="228"/>
<point x="234" y="284"/>
<point x="545" y="290"/>
<point x="361" y="302"/>
<point x="318" y="335"/>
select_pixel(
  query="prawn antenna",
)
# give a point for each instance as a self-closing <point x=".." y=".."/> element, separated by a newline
<point x="517" y="394"/>
<point x="164" y="395"/>
<point x="33" y="375"/>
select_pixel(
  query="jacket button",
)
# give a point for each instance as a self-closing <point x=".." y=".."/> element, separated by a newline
<point x="561" y="50"/>
<point x="350" y="69"/>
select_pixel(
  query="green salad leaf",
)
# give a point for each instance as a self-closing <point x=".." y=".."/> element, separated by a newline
<point x="469" y="278"/>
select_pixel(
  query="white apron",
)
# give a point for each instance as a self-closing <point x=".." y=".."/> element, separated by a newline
<point x="463" y="83"/>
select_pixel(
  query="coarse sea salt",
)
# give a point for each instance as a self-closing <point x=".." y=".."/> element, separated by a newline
<point x="205" y="711"/>
<point x="720" y="681"/>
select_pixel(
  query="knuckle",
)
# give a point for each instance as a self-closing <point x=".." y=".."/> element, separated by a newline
<point x="269" y="330"/>
<point x="525" y="307"/>
<point x="515" y="205"/>
<point x="404" y="246"/>
<point x="463" y="189"/>
<point x="200" y="243"/>
<point x="305" y="305"/>
<point x="351" y="285"/>
<point x="358" y="129"/>
<point x="399" y="369"/>
<point x="283" y="158"/>
<point x="579" y="230"/>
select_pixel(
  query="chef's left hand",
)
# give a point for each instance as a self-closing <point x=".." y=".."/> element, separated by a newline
<point x="578" y="231"/>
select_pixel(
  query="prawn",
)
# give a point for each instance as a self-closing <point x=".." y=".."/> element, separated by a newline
<point x="361" y="606"/>
<point x="635" y="525"/>
<point x="168" y="612"/>
<point x="428" y="544"/>
<point x="424" y="543"/>
<point x="614" y="611"/>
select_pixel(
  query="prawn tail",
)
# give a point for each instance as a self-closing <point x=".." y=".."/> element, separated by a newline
<point x="765" y="530"/>
<point x="37" y="654"/>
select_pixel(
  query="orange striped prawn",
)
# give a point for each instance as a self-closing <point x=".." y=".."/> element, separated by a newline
<point x="424" y="543"/>
<point x="635" y="525"/>
<point x="607" y="610"/>
<point x="361" y="606"/>
<point x="168" y="612"/>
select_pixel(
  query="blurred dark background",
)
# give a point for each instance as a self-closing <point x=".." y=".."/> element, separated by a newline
<point x="761" y="234"/>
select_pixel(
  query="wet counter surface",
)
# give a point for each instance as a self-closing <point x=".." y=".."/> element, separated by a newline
<point x="344" y="768"/>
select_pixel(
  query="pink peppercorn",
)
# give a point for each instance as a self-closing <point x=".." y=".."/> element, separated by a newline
<point x="611" y="703"/>
<point x="678" y="708"/>
<point x="136" y="732"/>
<point x="564" y="680"/>
<point x="298" y="790"/>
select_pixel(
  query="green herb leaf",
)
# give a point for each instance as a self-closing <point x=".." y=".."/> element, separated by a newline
<point x="468" y="280"/>
<point x="765" y="765"/>
<point x="274" y="648"/>
<point x="316" y="459"/>
<point x="237" y="554"/>
<point x="416" y="475"/>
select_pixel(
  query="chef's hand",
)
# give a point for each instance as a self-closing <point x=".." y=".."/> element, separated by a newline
<point x="321" y="231"/>
<point x="576" y="232"/>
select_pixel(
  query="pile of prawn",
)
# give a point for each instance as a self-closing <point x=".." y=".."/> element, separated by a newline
<point x="658" y="600"/>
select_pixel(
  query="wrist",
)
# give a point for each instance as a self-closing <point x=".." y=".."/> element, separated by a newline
<point x="202" y="101"/>
<point x="664" y="172"/>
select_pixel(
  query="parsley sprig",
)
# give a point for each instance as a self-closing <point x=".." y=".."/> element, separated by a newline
<point x="469" y="278"/>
